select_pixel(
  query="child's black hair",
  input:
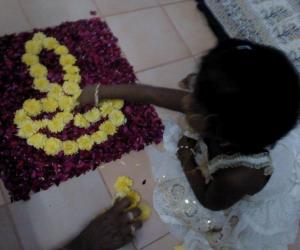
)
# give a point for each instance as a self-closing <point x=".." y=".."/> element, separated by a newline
<point x="252" y="89"/>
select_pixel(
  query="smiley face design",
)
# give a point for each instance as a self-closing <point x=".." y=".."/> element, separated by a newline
<point x="60" y="102"/>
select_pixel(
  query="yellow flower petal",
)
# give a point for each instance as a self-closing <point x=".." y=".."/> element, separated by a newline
<point x="117" y="117"/>
<point x="32" y="107"/>
<point x="85" y="142"/>
<point x="38" y="70"/>
<point x="50" y="43"/>
<point x="39" y="36"/>
<point x="66" y="103"/>
<point x="37" y="140"/>
<point x="99" y="137"/>
<point x="67" y="60"/>
<point x="65" y="116"/>
<point x="52" y="146"/>
<point x="146" y="212"/>
<point x="30" y="59"/>
<point x="20" y="117"/>
<point x="80" y="121"/>
<point x="123" y="184"/>
<point x="117" y="103"/>
<point x="56" y="125"/>
<point x="93" y="115"/>
<point x="49" y="105"/>
<point x="42" y="84"/>
<point x="106" y="108"/>
<point x="76" y="78"/>
<point x="134" y="197"/>
<point x="71" y="88"/>
<point x="108" y="127"/>
<point x="70" y="147"/>
<point x="33" y="47"/>
<point x="61" y="50"/>
<point x="69" y="69"/>
<point x="55" y="91"/>
<point x="27" y="129"/>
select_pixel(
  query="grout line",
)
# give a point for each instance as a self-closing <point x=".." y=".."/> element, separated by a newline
<point x="177" y="31"/>
<point x="131" y="11"/>
<point x="178" y="1"/>
<point x="98" y="8"/>
<point x="159" y="238"/>
<point x="25" y="14"/>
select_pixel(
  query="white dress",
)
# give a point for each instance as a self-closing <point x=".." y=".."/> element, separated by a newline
<point x="268" y="220"/>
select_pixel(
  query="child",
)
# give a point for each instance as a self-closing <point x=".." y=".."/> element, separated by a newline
<point x="234" y="183"/>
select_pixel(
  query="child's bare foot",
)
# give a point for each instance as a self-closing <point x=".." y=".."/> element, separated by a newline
<point x="110" y="230"/>
<point x="186" y="82"/>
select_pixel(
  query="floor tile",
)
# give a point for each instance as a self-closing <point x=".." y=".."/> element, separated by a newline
<point x="136" y="165"/>
<point x="44" y="13"/>
<point x="8" y="238"/>
<point x="112" y="7"/>
<point x="54" y="216"/>
<point x="169" y="1"/>
<point x="168" y="242"/>
<point x="148" y="38"/>
<point x="12" y="18"/>
<point x="192" y="26"/>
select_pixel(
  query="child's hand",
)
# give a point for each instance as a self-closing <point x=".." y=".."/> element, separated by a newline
<point x="185" y="152"/>
<point x="87" y="95"/>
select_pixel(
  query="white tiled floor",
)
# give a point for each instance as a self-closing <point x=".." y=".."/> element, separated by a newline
<point x="162" y="39"/>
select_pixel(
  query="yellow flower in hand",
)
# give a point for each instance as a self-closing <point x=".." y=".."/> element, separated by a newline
<point x="27" y="129"/>
<point x="134" y="197"/>
<point x="49" y="105"/>
<point x="66" y="103"/>
<point x="85" y="142"/>
<point x="72" y="70"/>
<point x="37" y="140"/>
<point x="39" y="36"/>
<point x="55" y="91"/>
<point x="123" y="184"/>
<point x="32" y="107"/>
<point x="21" y="117"/>
<point x="38" y="70"/>
<point x="108" y="127"/>
<point x="67" y="60"/>
<point x="70" y="147"/>
<point x="33" y="47"/>
<point x="61" y="50"/>
<point x="117" y="103"/>
<point x="56" y="125"/>
<point x="146" y="212"/>
<point x="50" y="43"/>
<point x="42" y="84"/>
<point x="30" y="59"/>
<point x="93" y="115"/>
<point x="80" y="121"/>
<point x="52" y="146"/>
<point x="71" y="88"/>
<point x="65" y="116"/>
<point x="117" y="117"/>
<point x="99" y="137"/>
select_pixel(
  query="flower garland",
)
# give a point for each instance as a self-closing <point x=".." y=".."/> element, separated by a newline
<point x="62" y="100"/>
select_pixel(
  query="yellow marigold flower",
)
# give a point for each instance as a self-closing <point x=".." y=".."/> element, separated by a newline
<point x="123" y="184"/>
<point x="146" y="212"/>
<point x="42" y="84"/>
<point x="50" y="43"/>
<point x="39" y="36"/>
<point x="85" y="142"/>
<point x="99" y="137"/>
<point x="69" y="69"/>
<point x="93" y="115"/>
<point x="71" y="88"/>
<point x="106" y="108"/>
<point x="38" y="70"/>
<point x="76" y="78"/>
<point x="70" y="147"/>
<point x="37" y="140"/>
<point x="33" y="47"/>
<point x="180" y="247"/>
<point x="80" y="121"/>
<point x="65" y="116"/>
<point x="52" y="146"/>
<point x="32" y="107"/>
<point x="117" y="117"/>
<point x="56" y="125"/>
<point x="61" y="50"/>
<point x="30" y="59"/>
<point x="108" y="127"/>
<point x="21" y="117"/>
<point x="55" y="91"/>
<point x="40" y="123"/>
<point x="66" y="103"/>
<point x="134" y="197"/>
<point x="49" y="105"/>
<point x="67" y="60"/>
<point x="27" y="129"/>
<point x="117" y="103"/>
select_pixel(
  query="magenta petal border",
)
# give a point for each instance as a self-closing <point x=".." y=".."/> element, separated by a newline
<point x="24" y="169"/>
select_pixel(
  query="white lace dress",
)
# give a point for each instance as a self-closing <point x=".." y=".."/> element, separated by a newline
<point x="268" y="220"/>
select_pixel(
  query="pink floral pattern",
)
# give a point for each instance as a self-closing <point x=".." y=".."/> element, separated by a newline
<point x="25" y="169"/>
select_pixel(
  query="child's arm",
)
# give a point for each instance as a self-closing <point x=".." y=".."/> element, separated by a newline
<point x="163" y="97"/>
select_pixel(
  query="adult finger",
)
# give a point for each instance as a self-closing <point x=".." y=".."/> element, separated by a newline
<point x="121" y="204"/>
<point x="131" y="215"/>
